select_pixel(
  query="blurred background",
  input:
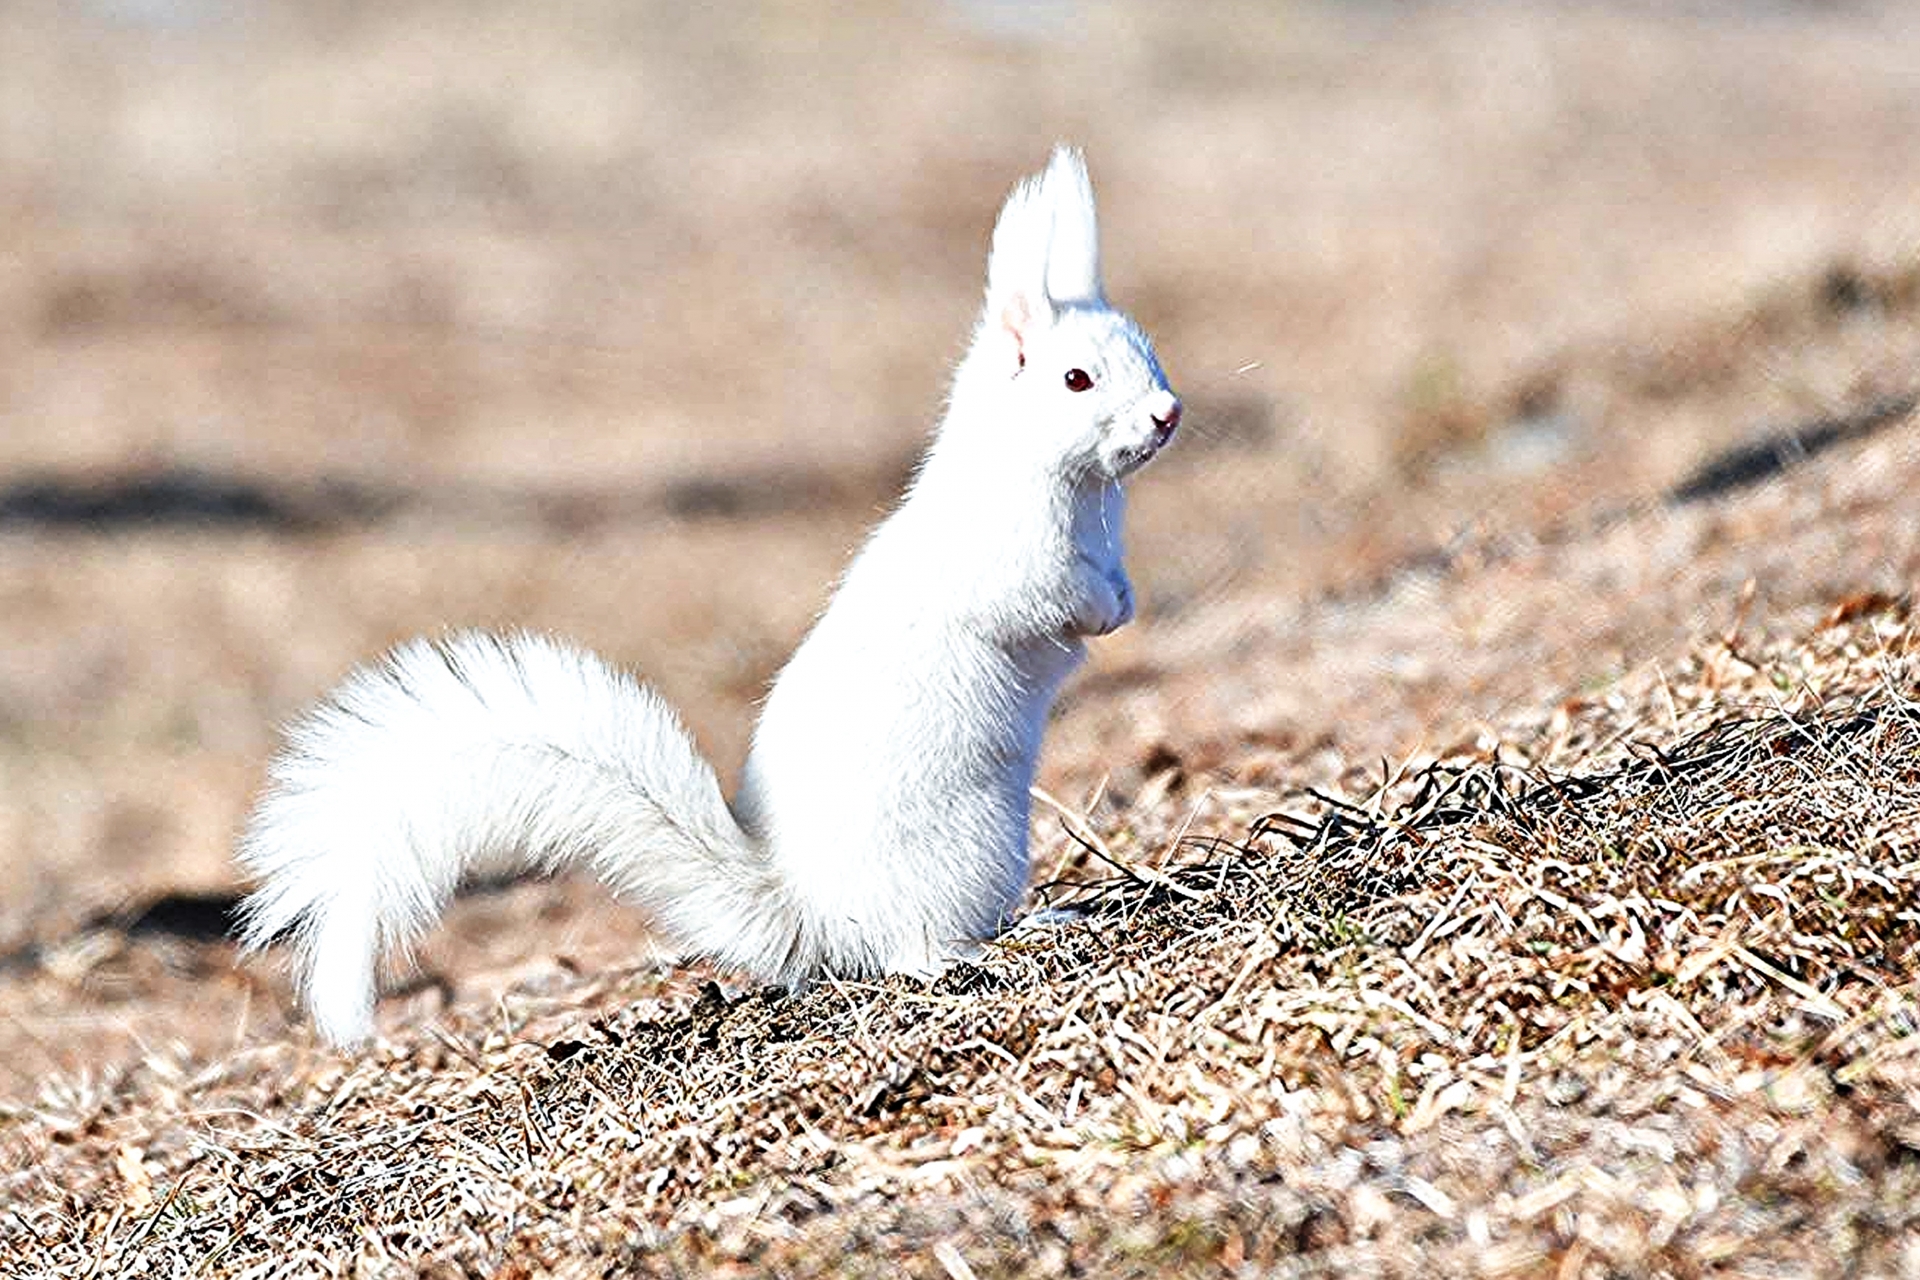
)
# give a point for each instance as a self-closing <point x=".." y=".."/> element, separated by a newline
<point x="323" y="324"/>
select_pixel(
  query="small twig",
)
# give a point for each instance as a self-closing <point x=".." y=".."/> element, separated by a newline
<point x="1088" y="839"/>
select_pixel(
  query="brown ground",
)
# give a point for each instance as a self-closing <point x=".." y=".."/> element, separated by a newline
<point x="624" y="323"/>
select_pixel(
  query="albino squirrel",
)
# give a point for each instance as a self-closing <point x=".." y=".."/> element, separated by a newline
<point x="881" y="822"/>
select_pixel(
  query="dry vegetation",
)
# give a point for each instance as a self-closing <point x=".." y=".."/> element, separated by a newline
<point x="1497" y="841"/>
<point x="1634" y="991"/>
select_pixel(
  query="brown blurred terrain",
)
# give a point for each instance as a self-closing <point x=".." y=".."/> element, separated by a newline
<point x="1526" y="348"/>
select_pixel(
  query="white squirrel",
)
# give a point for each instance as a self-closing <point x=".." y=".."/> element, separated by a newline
<point x="881" y="822"/>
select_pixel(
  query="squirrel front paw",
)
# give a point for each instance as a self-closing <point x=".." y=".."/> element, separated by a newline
<point x="1105" y="601"/>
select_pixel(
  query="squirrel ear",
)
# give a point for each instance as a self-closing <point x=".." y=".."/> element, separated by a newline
<point x="1073" y="249"/>
<point x="1046" y="250"/>
<point x="1020" y="317"/>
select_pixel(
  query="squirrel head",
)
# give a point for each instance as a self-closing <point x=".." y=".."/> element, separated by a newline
<point x="1072" y="381"/>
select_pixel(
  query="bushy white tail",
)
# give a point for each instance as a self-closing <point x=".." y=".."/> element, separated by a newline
<point x="489" y="754"/>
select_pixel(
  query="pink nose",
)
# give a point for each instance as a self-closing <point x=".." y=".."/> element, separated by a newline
<point x="1166" y="421"/>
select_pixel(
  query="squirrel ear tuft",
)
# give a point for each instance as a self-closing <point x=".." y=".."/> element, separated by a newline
<point x="1073" y="249"/>
<point x="1046" y="247"/>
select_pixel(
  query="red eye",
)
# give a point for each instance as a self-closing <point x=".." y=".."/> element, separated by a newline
<point x="1079" y="380"/>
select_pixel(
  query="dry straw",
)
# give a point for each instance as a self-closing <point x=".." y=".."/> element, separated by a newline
<point x="1634" y="996"/>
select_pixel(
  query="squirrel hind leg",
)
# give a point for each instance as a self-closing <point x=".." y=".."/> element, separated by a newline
<point x="928" y="964"/>
<point x="1047" y="918"/>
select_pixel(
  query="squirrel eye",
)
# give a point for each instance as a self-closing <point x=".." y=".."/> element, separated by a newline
<point x="1079" y="380"/>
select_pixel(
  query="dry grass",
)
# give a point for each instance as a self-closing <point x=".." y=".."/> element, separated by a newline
<point x="1649" y="1009"/>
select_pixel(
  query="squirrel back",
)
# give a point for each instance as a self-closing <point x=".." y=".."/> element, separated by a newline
<point x="881" y="822"/>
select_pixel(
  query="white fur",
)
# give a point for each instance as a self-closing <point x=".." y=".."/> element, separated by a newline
<point x="881" y="823"/>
